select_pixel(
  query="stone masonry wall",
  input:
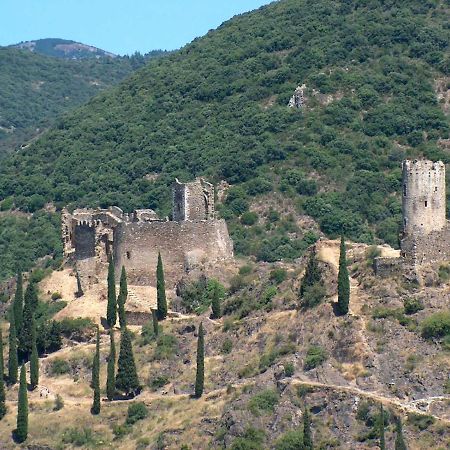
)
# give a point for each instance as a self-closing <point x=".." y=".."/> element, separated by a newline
<point x="182" y="246"/>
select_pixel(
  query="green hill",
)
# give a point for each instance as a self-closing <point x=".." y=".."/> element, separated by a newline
<point x="218" y="108"/>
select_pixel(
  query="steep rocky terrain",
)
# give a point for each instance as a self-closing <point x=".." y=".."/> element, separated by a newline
<point x="259" y="374"/>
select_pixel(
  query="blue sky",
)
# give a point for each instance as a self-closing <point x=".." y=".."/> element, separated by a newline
<point x="118" y="26"/>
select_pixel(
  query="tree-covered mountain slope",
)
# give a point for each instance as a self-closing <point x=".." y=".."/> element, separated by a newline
<point x="35" y="89"/>
<point x="63" y="48"/>
<point x="218" y="108"/>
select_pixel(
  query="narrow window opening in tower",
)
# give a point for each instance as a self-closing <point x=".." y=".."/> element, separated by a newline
<point x="435" y="189"/>
<point x="426" y="203"/>
<point x="404" y="190"/>
<point x="128" y="255"/>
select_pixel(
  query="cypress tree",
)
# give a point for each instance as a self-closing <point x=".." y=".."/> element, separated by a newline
<point x="312" y="273"/>
<point x="123" y="294"/>
<point x="18" y="304"/>
<point x="155" y="322"/>
<point x="21" y="432"/>
<point x="126" y="380"/>
<point x="25" y="337"/>
<point x="161" y="290"/>
<point x="382" y="437"/>
<point x="200" y="374"/>
<point x="307" y="436"/>
<point x="215" y="303"/>
<point x="110" y="380"/>
<point x="400" y="443"/>
<point x="111" y="312"/>
<point x="2" y="382"/>
<point x="79" y="292"/>
<point x="13" y="361"/>
<point x="31" y="296"/>
<point x="34" y="361"/>
<point x="95" y="409"/>
<point x="343" y="281"/>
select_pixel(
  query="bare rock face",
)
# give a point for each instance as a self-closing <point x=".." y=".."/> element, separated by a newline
<point x="298" y="99"/>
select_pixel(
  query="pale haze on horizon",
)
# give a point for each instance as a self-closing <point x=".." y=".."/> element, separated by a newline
<point x="117" y="26"/>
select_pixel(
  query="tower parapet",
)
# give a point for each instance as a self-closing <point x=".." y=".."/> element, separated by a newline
<point x="424" y="197"/>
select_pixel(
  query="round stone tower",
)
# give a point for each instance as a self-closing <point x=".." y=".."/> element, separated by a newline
<point x="424" y="197"/>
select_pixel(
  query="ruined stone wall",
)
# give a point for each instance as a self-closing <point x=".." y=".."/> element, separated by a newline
<point x="424" y="197"/>
<point x="183" y="245"/>
<point x="193" y="201"/>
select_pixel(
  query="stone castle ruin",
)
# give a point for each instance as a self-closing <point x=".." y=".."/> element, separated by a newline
<point x="425" y="233"/>
<point x="194" y="238"/>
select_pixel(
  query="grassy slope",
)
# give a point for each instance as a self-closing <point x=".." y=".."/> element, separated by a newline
<point x="218" y="108"/>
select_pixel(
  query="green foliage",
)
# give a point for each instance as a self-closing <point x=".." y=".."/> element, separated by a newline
<point x="200" y="369"/>
<point x="21" y="432"/>
<point x="436" y="326"/>
<point x="278" y="275"/>
<point x="95" y="409"/>
<point x="289" y="369"/>
<point x="216" y="301"/>
<point x="343" y="281"/>
<point x="34" y="359"/>
<point x="251" y="440"/>
<point x="199" y="295"/>
<point x="315" y="356"/>
<point x="79" y="437"/>
<point x="264" y="402"/>
<point x="249" y="218"/>
<point x="58" y="366"/>
<point x="166" y="347"/>
<point x="13" y="361"/>
<point x="312" y="291"/>
<point x="18" y="303"/>
<point x="121" y="300"/>
<point x="111" y="308"/>
<point x="420" y="421"/>
<point x="136" y="412"/>
<point x="400" y="443"/>
<point x="158" y="382"/>
<point x="412" y="305"/>
<point x="126" y="380"/>
<point x="70" y="328"/>
<point x="2" y="381"/>
<point x="111" y="368"/>
<point x="444" y="273"/>
<point x="291" y="440"/>
<point x="381" y="426"/>
<point x="227" y="346"/>
<point x="161" y="290"/>
<point x="307" y="436"/>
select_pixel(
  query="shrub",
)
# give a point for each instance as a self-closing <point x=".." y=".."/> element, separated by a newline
<point x="313" y="295"/>
<point x="158" y="382"/>
<point x="227" y="346"/>
<point x="58" y="366"/>
<point x="251" y="440"/>
<point x="412" y="305"/>
<point x="197" y="296"/>
<point x="249" y="218"/>
<point x="59" y="403"/>
<point x="166" y="346"/>
<point x="289" y="369"/>
<point x="264" y="402"/>
<point x="292" y="440"/>
<point x="278" y="275"/>
<point x="79" y="437"/>
<point x="136" y="412"/>
<point x="148" y="333"/>
<point x="420" y="421"/>
<point x="121" y="430"/>
<point x="56" y="296"/>
<point x="372" y="252"/>
<point x="436" y="325"/>
<point x="315" y="356"/>
<point x="245" y="270"/>
<point x="444" y="273"/>
<point x="74" y="328"/>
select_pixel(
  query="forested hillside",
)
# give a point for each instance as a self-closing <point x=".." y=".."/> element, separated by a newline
<point x="35" y="89"/>
<point x="219" y="108"/>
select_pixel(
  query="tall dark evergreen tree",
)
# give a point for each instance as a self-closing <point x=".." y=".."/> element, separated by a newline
<point x="400" y="443"/>
<point x="25" y="337"/>
<point x="95" y="409"/>
<point x="13" y="361"/>
<point x="343" y="281"/>
<point x="381" y="425"/>
<point x="215" y="303"/>
<point x="31" y="296"/>
<point x="121" y="300"/>
<point x="2" y="381"/>
<point x="155" y="322"/>
<point x="21" y="432"/>
<point x="126" y="380"/>
<point x="111" y="311"/>
<point x="200" y="374"/>
<point x="18" y="303"/>
<point x="312" y="273"/>
<point x="34" y="360"/>
<point x="79" y="292"/>
<point x="111" y="380"/>
<point x="307" y="435"/>
<point x="161" y="290"/>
